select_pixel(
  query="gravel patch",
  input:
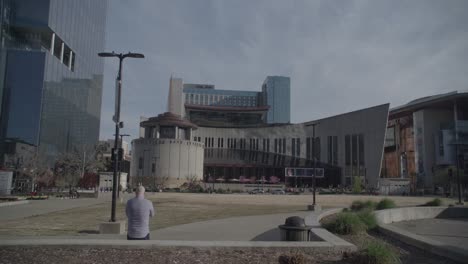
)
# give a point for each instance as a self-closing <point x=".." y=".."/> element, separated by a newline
<point x="173" y="255"/>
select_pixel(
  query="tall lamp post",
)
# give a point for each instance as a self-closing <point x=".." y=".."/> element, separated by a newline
<point x="116" y="118"/>
<point x="120" y="169"/>
<point x="314" y="205"/>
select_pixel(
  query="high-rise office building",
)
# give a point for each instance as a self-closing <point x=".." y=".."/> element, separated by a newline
<point x="276" y="93"/>
<point x="51" y="85"/>
<point x="207" y="106"/>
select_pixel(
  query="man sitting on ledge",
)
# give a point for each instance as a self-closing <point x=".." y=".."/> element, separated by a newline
<point x="138" y="211"/>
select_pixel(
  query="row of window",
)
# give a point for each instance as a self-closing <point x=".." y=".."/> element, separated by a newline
<point x="354" y="155"/>
<point x="214" y="99"/>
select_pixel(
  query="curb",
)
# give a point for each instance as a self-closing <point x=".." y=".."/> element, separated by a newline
<point x="13" y="203"/>
<point x="386" y="217"/>
<point x="112" y="243"/>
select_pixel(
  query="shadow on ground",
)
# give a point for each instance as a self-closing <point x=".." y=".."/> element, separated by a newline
<point x="88" y="232"/>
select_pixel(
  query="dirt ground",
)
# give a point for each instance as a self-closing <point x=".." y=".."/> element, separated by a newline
<point x="180" y="208"/>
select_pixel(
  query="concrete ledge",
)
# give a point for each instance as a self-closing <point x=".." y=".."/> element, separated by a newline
<point x="112" y="228"/>
<point x="326" y="236"/>
<point x="386" y="217"/>
<point x="414" y="213"/>
<point x="425" y="243"/>
<point x="112" y="243"/>
<point x="13" y="203"/>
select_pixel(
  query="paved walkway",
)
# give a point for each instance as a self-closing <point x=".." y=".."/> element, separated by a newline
<point x="452" y="232"/>
<point x="247" y="228"/>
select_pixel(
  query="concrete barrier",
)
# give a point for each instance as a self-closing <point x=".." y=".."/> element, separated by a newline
<point x="386" y="217"/>
<point x="423" y="212"/>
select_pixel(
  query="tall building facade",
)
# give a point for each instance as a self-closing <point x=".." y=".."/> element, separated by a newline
<point x="276" y="93"/>
<point x="52" y="77"/>
<point x="207" y="106"/>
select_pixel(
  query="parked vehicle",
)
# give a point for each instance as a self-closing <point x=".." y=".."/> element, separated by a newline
<point x="256" y="191"/>
<point x="278" y="191"/>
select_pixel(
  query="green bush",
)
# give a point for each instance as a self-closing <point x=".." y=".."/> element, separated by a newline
<point x="346" y="223"/>
<point x="435" y="202"/>
<point x="361" y="205"/>
<point x="368" y="218"/>
<point x="357" y="185"/>
<point x="385" y="204"/>
<point x="380" y="253"/>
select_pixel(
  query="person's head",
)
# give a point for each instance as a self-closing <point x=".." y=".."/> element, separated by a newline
<point x="140" y="191"/>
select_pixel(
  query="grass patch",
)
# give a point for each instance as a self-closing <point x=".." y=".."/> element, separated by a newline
<point x="385" y="204"/>
<point x="368" y="218"/>
<point x="363" y="205"/>
<point x="345" y="224"/>
<point x="435" y="202"/>
<point x="375" y="252"/>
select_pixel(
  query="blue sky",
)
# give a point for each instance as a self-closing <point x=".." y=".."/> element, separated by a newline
<point x="341" y="55"/>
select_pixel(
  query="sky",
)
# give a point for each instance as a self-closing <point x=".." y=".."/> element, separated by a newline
<point x="341" y="56"/>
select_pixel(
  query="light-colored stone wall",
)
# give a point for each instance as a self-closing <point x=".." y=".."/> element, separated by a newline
<point x="174" y="161"/>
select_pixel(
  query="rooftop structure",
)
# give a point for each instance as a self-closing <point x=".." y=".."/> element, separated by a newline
<point x="204" y="105"/>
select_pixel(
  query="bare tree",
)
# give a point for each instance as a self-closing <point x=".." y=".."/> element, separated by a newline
<point x="35" y="167"/>
<point x="70" y="167"/>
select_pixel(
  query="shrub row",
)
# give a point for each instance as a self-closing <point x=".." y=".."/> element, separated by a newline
<point x="371" y="205"/>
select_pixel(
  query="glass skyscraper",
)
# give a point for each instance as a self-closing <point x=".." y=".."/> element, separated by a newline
<point x="276" y="92"/>
<point x="51" y="76"/>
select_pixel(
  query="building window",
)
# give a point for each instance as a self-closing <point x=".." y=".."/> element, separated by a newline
<point x="441" y="143"/>
<point x="268" y="145"/>
<point x="347" y="150"/>
<point x="153" y="167"/>
<point x="335" y="150"/>
<point x="284" y="145"/>
<point x="140" y="163"/>
<point x="276" y="145"/>
<point x="308" y="148"/>
<point x="293" y="147"/>
<point x="317" y="148"/>
<point x="298" y="147"/>
<point x="361" y="150"/>
<point x="354" y="147"/>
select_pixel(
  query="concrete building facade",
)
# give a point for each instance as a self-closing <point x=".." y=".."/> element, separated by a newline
<point x="166" y="155"/>
<point x="425" y="138"/>
<point x="176" y="149"/>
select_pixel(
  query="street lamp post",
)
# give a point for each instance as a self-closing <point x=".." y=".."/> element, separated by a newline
<point x="119" y="168"/>
<point x="116" y="119"/>
<point x="315" y="164"/>
<point x="314" y="206"/>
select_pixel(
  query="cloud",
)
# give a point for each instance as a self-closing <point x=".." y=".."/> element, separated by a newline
<point x="340" y="55"/>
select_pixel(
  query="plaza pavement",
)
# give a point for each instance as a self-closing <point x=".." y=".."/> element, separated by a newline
<point x="450" y="232"/>
<point x="246" y="228"/>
